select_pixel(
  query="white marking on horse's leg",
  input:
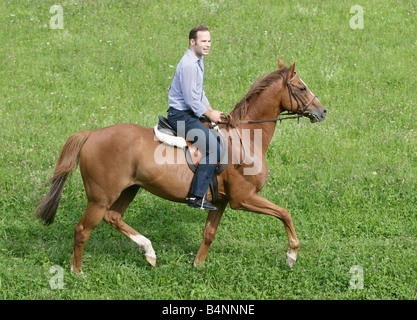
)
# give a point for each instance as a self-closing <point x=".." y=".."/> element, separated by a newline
<point x="291" y="258"/>
<point x="146" y="244"/>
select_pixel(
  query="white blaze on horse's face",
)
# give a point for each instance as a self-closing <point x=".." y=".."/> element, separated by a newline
<point x="316" y="112"/>
<point x="311" y="92"/>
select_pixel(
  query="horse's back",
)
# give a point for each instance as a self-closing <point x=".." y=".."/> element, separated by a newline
<point x="122" y="155"/>
<point x="107" y="157"/>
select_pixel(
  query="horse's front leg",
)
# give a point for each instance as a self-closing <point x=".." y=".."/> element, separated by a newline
<point x="256" y="203"/>
<point x="213" y="219"/>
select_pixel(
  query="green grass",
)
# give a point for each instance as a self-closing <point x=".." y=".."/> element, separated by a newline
<point x="349" y="182"/>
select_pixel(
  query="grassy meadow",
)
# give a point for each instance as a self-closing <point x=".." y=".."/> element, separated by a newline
<point x="349" y="182"/>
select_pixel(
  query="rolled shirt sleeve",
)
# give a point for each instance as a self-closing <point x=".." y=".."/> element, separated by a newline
<point x="205" y="101"/>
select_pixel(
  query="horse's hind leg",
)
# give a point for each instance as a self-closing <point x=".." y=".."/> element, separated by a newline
<point x="114" y="217"/>
<point x="90" y="219"/>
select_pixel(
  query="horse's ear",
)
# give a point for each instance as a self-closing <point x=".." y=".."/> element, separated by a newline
<point x="291" y="71"/>
<point x="280" y="63"/>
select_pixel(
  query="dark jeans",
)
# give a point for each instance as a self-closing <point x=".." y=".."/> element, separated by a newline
<point x="188" y="125"/>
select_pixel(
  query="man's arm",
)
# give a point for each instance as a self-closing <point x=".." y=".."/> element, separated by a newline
<point x="192" y="98"/>
<point x="212" y="114"/>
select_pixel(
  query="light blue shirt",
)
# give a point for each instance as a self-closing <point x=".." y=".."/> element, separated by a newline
<point x="186" y="91"/>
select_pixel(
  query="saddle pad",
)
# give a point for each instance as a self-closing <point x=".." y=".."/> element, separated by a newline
<point x="173" y="141"/>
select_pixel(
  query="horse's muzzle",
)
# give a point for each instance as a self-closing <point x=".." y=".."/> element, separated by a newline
<point x="316" y="115"/>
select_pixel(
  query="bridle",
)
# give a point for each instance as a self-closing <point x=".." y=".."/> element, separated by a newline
<point x="290" y="114"/>
<point x="300" y="103"/>
<point x="287" y="114"/>
<point x="302" y="108"/>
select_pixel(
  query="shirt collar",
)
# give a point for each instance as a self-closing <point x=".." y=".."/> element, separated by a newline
<point x="193" y="56"/>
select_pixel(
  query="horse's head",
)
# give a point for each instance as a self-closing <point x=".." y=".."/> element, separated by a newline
<point x="299" y="98"/>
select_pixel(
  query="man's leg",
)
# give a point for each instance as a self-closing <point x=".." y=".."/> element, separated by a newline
<point x="208" y="145"/>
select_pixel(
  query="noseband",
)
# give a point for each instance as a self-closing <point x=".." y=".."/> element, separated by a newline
<point x="300" y="103"/>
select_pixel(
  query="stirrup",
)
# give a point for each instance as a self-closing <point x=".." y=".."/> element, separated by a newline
<point x="202" y="202"/>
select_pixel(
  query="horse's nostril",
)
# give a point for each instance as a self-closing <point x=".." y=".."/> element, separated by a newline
<point x="325" y="111"/>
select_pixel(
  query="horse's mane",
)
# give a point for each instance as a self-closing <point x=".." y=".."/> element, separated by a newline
<point x="241" y="108"/>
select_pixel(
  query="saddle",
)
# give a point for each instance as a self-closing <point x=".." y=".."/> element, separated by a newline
<point x="165" y="133"/>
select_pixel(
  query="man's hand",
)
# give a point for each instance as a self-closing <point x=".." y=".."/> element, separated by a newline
<point x="214" y="115"/>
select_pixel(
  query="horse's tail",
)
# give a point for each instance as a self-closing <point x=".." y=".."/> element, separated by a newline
<point x="68" y="160"/>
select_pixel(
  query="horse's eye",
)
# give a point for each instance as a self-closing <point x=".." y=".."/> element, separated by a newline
<point x="303" y="89"/>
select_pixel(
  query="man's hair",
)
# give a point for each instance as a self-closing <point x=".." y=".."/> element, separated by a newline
<point x="193" y="32"/>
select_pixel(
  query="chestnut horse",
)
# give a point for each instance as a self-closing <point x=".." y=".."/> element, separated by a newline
<point x="116" y="161"/>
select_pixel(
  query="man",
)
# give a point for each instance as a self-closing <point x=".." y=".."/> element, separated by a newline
<point x="187" y="103"/>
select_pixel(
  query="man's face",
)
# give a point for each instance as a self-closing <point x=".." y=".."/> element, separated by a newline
<point x="201" y="46"/>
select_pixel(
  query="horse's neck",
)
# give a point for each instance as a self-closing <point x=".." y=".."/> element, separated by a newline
<point x="265" y="106"/>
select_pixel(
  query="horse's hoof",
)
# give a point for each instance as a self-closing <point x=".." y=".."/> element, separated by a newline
<point x="198" y="264"/>
<point x="78" y="273"/>
<point x="291" y="259"/>
<point x="152" y="261"/>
